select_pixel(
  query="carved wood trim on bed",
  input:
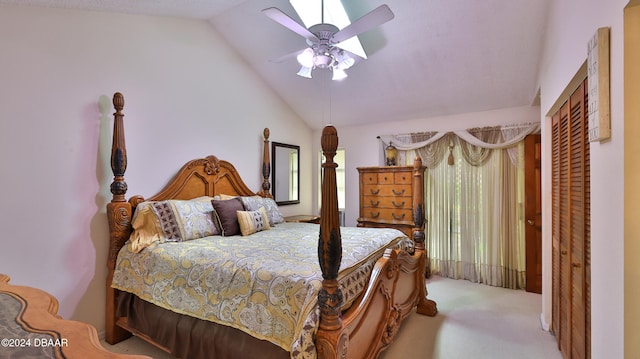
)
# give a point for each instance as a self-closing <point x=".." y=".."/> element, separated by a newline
<point x="396" y="286"/>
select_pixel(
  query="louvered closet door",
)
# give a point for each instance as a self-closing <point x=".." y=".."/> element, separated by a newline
<point x="578" y="148"/>
<point x="564" y="314"/>
<point x="571" y="223"/>
<point x="555" y="225"/>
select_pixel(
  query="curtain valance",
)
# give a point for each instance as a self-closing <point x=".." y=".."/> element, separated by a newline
<point x="476" y="143"/>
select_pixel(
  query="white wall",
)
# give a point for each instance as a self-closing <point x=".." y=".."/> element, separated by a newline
<point x="570" y="26"/>
<point x="362" y="148"/>
<point x="187" y="95"/>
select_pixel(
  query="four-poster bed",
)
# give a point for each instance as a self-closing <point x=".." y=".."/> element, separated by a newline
<point x="343" y="320"/>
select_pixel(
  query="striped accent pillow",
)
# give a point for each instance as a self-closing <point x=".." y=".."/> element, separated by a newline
<point x="253" y="221"/>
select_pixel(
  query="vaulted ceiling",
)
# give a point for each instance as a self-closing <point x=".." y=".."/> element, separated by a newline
<point x="436" y="57"/>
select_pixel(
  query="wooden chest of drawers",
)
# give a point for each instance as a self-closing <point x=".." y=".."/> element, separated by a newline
<point x="388" y="197"/>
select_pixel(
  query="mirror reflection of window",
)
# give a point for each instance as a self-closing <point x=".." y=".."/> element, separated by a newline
<point x="340" y="177"/>
<point x="285" y="173"/>
<point x="293" y="170"/>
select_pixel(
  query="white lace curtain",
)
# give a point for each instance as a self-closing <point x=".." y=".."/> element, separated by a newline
<point x="473" y="201"/>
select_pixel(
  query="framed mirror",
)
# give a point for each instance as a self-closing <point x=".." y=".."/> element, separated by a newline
<point x="285" y="173"/>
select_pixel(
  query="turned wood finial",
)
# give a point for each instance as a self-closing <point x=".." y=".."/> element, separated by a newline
<point x="329" y="141"/>
<point x="417" y="162"/>
<point x="118" y="101"/>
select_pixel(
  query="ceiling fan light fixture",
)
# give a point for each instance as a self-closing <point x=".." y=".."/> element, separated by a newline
<point x="338" y="74"/>
<point x="326" y="40"/>
<point x="344" y="61"/>
<point x="305" y="72"/>
<point x="323" y="61"/>
<point x="306" y="58"/>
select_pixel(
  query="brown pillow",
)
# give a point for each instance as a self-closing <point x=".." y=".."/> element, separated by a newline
<point x="225" y="212"/>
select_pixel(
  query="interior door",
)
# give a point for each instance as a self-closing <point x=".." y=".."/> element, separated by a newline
<point x="571" y="220"/>
<point x="533" y="212"/>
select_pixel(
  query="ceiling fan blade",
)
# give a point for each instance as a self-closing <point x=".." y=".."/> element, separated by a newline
<point x="285" y="20"/>
<point x="375" y="17"/>
<point x="288" y="56"/>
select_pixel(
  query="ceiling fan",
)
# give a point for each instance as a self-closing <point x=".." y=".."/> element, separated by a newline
<point x="324" y="40"/>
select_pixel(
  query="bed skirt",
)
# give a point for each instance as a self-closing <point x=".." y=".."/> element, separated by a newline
<point x="193" y="338"/>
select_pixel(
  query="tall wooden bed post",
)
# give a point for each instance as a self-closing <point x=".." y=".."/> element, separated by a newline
<point x="119" y="213"/>
<point x="266" y="166"/>
<point x="330" y="252"/>
<point x="425" y="306"/>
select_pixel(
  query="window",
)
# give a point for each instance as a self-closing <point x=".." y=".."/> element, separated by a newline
<point x="340" y="177"/>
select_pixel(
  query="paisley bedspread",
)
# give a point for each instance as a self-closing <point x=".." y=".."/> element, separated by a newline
<point x="265" y="284"/>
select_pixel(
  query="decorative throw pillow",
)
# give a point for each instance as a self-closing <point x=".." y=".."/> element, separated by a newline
<point x="254" y="202"/>
<point x="146" y="228"/>
<point x="183" y="220"/>
<point x="253" y="221"/>
<point x="273" y="211"/>
<point x="226" y="217"/>
<point x="225" y="197"/>
<point x="171" y="221"/>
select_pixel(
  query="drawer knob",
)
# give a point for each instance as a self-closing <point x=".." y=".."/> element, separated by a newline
<point x="375" y="215"/>
<point x="376" y="191"/>
<point x="398" y="205"/>
<point x="374" y="204"/>
<point x="397" y="193"/>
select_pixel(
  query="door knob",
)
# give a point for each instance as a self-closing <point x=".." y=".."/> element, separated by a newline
<point x="531" y="222"/>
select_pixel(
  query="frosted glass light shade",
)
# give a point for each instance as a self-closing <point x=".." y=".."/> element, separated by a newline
<point x="305" y="72"/>
<point x="338" y="74"/>
<point x="305" y="58"/>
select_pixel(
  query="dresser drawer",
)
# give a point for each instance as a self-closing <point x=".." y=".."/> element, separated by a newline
<point x="386" y="202"/>
<point x="387" y="190"/>
<point x="402" y="178"/>
<point x="369" y="178"/>
<point x="387" y="215"/>
<point x="386" y="178"/>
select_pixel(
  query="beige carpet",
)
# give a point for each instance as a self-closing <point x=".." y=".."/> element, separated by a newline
<point x="474" y="321"/>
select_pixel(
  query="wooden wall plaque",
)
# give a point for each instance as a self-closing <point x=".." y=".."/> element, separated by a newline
<point x="599" y="82"/>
